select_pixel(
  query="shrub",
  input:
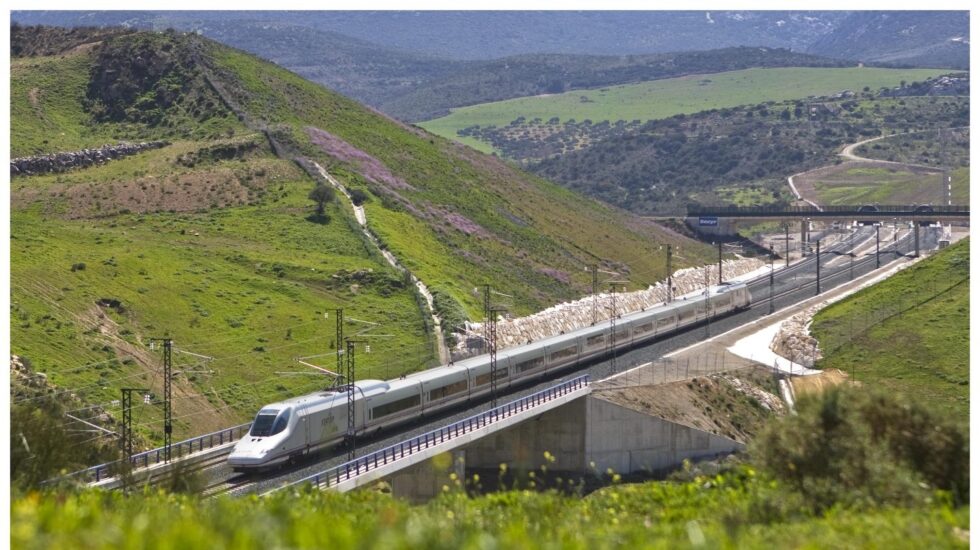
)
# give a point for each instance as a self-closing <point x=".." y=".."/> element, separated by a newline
<point x="450" y="311"/>
<point x="860" y="447"/>
<point x="79" y="266"/>
<point x="358" y="196"/>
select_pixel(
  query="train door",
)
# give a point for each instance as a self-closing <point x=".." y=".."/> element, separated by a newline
<point x="304" y="429"/>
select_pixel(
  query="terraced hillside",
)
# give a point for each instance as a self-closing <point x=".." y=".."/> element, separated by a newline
<point x="211" y="240"/>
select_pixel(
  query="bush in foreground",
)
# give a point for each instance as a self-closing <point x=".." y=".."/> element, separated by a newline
<point x="856" y="447"/>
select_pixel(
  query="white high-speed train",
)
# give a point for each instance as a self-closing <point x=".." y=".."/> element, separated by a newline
<point x="294" y="427"/>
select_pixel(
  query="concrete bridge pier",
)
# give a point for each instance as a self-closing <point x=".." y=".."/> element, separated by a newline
<point x="425" y="480"/>
<point x="586" y="436"/>
<point x="804" y="233"/>
<point x="916" y="224"/>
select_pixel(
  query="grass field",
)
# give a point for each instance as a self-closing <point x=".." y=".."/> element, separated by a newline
<point x="247" y="285"/>
<point x="738" y="510"/>
<point x="961" y="185"/>
<point x="882" y="184"/>
<point x="664" y="98"/>
<point x="909" y="334"/>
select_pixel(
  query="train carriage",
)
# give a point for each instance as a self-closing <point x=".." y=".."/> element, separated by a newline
<point x="284" y="430"/>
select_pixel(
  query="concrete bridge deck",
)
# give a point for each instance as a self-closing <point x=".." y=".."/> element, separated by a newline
<point x="390" y="460"/>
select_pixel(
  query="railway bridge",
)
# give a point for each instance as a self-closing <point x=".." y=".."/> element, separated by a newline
<point x="564" y="426"/>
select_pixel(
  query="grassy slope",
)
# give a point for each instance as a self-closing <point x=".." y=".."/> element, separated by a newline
<point x="924" y="350"/>
<point x="248" y="283"/>
<point x="533" y="226"/>
<point x="46" y="95"/>
<point x="713" y="512"/>
<point x="665" y="98"/>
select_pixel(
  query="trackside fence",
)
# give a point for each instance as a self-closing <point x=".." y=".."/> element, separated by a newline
<point x="156" y="456"/>
<point x="399" y="451"/>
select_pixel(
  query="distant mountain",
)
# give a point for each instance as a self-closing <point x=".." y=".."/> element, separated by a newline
<point x="495" y="34"/>
<point x="365" y="71"/>
<point x="920" y="38"/>
<point x="417" y="65"/>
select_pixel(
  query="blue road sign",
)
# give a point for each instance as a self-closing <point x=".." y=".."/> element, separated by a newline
<point x="708" y="221"/>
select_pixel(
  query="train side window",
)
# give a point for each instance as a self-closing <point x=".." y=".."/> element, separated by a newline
<point x="563" y="353"/>
<point x="646" y="327"/>
<point x="665" y="321"/>
<point x="530" y="364"/>
<point x="484" y="379"/>
<point x="597" y="340"/>
<point x="623" y="335"/>
<point x="446" y="391"/>
<point x="395" y="406"/>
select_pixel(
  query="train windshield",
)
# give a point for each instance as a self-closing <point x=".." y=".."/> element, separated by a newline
<point x="269" y="423"/>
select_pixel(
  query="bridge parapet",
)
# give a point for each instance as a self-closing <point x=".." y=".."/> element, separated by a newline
<point x="378" y="464"/>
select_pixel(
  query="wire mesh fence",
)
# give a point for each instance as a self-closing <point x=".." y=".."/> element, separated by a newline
<point x="666" y="370"/>
<point x="837" y="331"/>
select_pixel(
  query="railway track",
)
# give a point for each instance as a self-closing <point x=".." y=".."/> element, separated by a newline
<point x="221" y="480"/>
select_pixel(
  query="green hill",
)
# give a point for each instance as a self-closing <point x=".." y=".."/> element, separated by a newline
<point x="909" y="334"/>
<point x="525" y="76"/>
<point x="729" y="155"/>
<point x="210" y="240"/>
<point x="664" y="98"/>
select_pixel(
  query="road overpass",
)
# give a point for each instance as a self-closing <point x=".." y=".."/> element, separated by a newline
<point x="703" y="215"/>
<point x="722" y="220"/>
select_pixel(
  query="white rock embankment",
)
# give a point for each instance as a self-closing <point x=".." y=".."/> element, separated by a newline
<point x="793" y="340"/>
<point x="569" y="316"/>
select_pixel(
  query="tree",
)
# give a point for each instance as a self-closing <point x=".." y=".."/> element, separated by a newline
<point x="321" y="194"/>
<point x="358" y="196"/>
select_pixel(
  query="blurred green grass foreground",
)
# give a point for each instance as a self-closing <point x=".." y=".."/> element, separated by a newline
<point x="853" y="469"/>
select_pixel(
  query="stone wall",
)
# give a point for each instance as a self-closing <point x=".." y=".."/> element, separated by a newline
<point x="569" y="316"/>
<point x="65" y="161"/>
